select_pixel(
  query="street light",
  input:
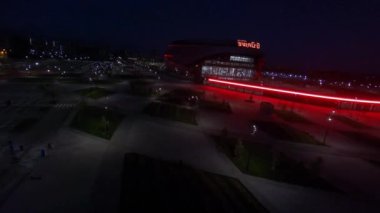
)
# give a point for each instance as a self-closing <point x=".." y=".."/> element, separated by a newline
<point x="253" y="129"/>
<point x="253" y="133"/>
<point x="329" y="120"/>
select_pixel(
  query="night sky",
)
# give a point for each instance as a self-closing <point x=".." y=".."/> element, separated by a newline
<point x="304" y="34"/>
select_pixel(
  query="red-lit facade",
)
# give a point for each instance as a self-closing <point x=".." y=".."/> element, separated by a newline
<point x="200" y="59"/>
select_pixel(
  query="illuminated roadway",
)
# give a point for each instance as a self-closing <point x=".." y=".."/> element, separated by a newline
<point x="292" y="92"/>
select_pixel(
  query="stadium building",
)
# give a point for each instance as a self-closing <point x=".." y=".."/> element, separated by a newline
<point x="229" y="60"/>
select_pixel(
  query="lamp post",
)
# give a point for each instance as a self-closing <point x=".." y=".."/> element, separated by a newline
<point x="253" y="133"/>
<point x="329" y="120"/>
<point x="105" y="119"/>
<point x="253" y="130"/>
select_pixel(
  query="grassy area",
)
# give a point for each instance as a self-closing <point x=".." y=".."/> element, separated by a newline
<point x="141" y="88"/>
<point x="97" y="121"/>
<point x="33" y="79"/>
<point x="94" y="92"/>
<point x="364" y="139"/>
<point x="375" y="163"/>
<point x="80" y="80"/>
<point x="110" y="81"/>
<point x="44" y="109"/>
<point x="171" y="112"/>
<point x="350" y="122"/>
<point x="150" y="185"/>
<point x="284" y="132"/>
<point x="291" y="117"/>
<point x="187" y="97"/>
<point x="215" y="105"/>
<point x="25" y="124"/>
<point x="184" y="97"/>
<point x="267" y="163"/>
<point x="75" y="80"/>
<point x="134" y="76"/>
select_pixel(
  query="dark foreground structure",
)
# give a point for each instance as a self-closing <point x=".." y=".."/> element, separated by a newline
<point x="229" y="60"/>
<point x="151" y="185"/>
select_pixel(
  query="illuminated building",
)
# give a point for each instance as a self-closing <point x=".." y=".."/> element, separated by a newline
<point x="200" y="59"/>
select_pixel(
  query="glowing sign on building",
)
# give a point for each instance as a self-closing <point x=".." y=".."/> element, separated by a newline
<point x="246" y="44"/>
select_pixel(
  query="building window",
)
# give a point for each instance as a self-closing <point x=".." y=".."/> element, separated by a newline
<point x="231" y="72"/>
<point x="241" y="59"/>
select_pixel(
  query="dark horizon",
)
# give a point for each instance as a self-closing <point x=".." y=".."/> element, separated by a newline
<point x="323" y="35"/>
<point x="190" y="106"/>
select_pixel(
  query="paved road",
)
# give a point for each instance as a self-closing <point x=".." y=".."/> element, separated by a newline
<point x="86" y="169"/>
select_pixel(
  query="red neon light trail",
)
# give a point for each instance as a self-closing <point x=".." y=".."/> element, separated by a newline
<point x="292" y="92"/>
